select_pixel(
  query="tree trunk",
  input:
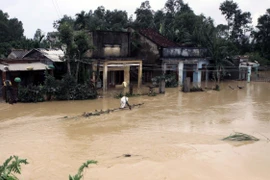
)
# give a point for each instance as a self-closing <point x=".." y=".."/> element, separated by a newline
<point x="97" y="73"/>
<point x="77" y="71"/>
<point x="68" y="67"/>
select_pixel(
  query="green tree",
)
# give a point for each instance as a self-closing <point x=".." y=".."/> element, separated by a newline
<point x="11" y="33"/>
<point x="144" y="16"/>
<point x="11" y="167"/>
<point x="239" y="24"/>
<point x="262" y="35"/>
<point x="76" y="44"/>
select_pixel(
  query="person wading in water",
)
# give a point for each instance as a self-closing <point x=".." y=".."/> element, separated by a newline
<point x="124" y="102"/>
<point x="9" y="91"/>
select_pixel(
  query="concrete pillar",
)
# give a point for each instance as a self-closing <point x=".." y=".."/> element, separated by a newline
<point x="249" y="74"/>
<point x="126" y="78"/>
<point x="164" y="68"/>
<point x="94" y="68"/>
<point x="206" y="76"/>
<point x="199" y="78"/>
<point x="195" y="76"/>
<point x="105" y="76"/>
<point x="4" y="77"/>
<point x="180" y="73"/>
<point x="240" y="75"/>
<point x="140" y="75"/>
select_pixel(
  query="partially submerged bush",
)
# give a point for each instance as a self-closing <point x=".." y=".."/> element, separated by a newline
<point x="170" y="80"/>
<point x="240" y="137"/>
<point x="30" y="93"/>
<point x="196" y="89"/>
<point x="65" y="89"/>
<point x="79" y="174"/>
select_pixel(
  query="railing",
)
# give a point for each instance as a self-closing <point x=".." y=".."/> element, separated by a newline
<point x="187" y="52"/>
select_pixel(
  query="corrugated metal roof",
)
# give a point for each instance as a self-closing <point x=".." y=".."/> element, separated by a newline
<point x="55" y="55"/>
<point x="36" y="66"/>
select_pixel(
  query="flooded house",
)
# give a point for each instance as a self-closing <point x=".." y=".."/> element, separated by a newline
<point x="27" y="70"/>
<point x="246" y="67"/>
<point x="17" y="53"/>
<point x="162" y="56"/>
<point x="54" y="58"/>
<point x="111" y="58"/>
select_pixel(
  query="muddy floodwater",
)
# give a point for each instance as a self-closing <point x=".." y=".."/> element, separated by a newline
<point x="171" y="137"/>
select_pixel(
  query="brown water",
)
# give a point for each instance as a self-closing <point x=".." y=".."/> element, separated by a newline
<point x="172" y="136"/>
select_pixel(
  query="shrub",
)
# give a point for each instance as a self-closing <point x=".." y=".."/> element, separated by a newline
<point x="170" y="80"/>
<point x="30" y="93"/>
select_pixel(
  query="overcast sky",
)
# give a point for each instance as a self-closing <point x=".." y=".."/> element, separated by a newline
<point x="41" y="14"/>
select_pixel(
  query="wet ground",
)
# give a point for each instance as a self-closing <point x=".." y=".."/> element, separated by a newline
<point x="172" y="136"/>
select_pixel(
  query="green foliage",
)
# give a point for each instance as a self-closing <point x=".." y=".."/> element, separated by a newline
<point x="79" y="174"/>
<point x="170" y="80"/>
<point x="65" y="89"/>
<point x="10" y="166"/>
<point x="255" y="56"/>
<point x="50" y="85"/>
<point x="11" y="31"/>
<point x="83" y="91"/>
<point x="196" y="89"/>
<point x="240" y="137"/>
<point x="262" y="35"/>
<point x="239" y="24"/>
<point x="30" y="93"/>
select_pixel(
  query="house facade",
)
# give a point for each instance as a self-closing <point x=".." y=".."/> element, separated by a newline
<point x="29" y="71"/>
<point x="111" y="59"/>
<point x="162" y="56"/>
<point x="51" y="57"/>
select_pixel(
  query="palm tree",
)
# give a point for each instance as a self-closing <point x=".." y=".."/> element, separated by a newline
<point x="8" y="169"/>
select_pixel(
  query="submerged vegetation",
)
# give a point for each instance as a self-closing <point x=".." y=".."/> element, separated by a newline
<point x="240" y="137"/>
<point x="79" y="174"/>
<point x="65" y="89"/>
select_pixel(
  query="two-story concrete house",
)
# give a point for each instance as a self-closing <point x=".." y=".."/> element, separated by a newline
<point x="111" y="57"/>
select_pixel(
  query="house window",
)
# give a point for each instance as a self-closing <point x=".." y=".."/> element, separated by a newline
<point x="112" y="50"/>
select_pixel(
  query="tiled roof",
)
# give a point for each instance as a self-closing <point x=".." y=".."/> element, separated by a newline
<point x="157" y="38"/>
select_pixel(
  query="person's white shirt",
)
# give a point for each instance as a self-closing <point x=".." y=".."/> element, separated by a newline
<point x="123" y="101"/>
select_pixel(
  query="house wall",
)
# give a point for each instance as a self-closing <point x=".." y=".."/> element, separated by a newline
<point x="110" y="44"/>
<point x="148" y="51"/>
<point x="183" y="52"/>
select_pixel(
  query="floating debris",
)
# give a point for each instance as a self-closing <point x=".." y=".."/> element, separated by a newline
<point x="240" y="137"/>
<point x="98" y="113"/>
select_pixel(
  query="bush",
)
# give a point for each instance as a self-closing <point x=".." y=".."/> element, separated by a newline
<point x="170" y="80"/>
<point x="65" y="89"/>
<point x="84" y="92"/>
<point x="30" y="93"/>
<point x="50" y="86"/>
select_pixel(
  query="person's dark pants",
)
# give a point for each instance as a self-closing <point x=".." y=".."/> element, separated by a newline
<point x="9" y="95"/>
